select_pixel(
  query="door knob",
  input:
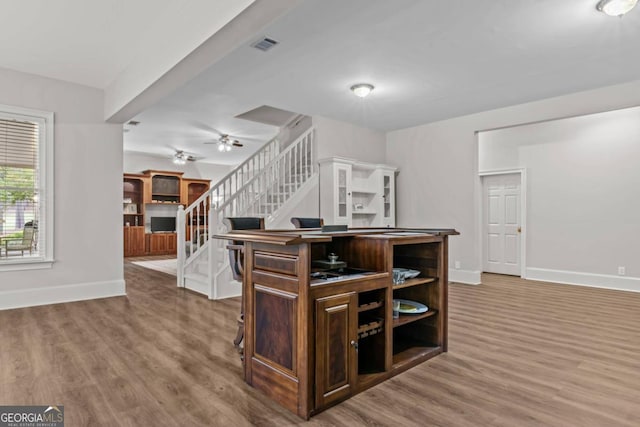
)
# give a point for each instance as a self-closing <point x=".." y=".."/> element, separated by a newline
<point x="519" y="229"/>
<point x="354" y="343"/>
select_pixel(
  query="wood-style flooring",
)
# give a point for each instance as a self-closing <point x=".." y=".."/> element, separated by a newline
<point x="521" y="353"/>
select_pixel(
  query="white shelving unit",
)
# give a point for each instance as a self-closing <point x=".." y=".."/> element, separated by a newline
<point x="357" y="194"/>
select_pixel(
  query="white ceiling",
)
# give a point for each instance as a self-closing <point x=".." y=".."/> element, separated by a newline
<point x="429" y="60"/>
<point x="86" y="42"/>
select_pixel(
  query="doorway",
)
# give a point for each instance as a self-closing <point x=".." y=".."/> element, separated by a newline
<point x="502" y="227"/>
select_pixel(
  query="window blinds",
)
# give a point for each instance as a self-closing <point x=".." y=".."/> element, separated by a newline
<point x="19" y="146"/>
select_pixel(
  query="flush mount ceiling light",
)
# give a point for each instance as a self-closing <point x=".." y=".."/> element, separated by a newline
<point x="362" y="89"/>
<point x="616" y="7"/>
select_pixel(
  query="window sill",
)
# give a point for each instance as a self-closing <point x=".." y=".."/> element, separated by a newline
<point x="24" y="264"/>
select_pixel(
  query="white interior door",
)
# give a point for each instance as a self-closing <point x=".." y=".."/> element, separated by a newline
<point x="502" y="222"/>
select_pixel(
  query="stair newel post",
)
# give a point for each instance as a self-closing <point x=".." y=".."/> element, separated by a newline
<point x="181" y="228"/>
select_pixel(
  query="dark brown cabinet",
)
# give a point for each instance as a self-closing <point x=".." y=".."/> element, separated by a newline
<point x="316" y="337"/>
<point x="336" y="348"/>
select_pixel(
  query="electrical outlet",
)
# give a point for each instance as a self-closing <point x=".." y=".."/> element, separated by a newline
<point x="621" y="271"/>
<point x="457" y="265"/>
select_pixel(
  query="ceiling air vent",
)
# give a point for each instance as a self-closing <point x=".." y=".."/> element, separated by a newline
<point x="264" y="44"/>
<point x="133" y="123"/>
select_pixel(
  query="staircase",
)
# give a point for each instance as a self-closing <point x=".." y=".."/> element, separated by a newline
<point x="265" y="185"/>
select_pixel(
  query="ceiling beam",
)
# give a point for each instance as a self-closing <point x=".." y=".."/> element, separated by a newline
<point x="148" y="80"/>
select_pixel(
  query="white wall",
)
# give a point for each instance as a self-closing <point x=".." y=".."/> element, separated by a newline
<point x="88" y="192"/>
<point x="335" y="138"/>
<point x="138" y="162"/>
<point x="582" y="179"/>
<point x="438" y="184"/>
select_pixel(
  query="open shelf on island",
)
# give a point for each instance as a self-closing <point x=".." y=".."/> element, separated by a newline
<point x="367" y="380"/>
<point x="409" y="318"/>
<point x="415" y="281"/>
<point x="407" y="355"/>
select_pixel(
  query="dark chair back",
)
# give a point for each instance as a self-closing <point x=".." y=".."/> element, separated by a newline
<point x="307" y="222"/>
<point x="236" y="248"/>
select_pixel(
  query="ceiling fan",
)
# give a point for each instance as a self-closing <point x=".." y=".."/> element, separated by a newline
<point x="225" y="143"/>
<point x="181" y="158"/>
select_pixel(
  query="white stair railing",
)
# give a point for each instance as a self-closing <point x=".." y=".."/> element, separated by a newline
<point x="193" y="222"/>
<point x="258" y="187"/>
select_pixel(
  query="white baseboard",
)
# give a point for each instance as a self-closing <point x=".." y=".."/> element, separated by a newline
<point x="228" y="289"/>
<point x="60" y="294"/>
<point x="605" y="281"/>
<point x="196" y="286"/>
<point x="466" y="277"/>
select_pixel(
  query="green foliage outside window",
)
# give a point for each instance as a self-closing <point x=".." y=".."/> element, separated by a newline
<point x="16" y="184"/>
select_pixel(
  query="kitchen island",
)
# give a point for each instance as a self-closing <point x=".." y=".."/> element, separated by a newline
<point x="315" y="335"/>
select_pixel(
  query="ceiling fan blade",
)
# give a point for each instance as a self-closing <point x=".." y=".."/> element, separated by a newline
<point x="237" y="143"/>
<point x="205" y="127"/>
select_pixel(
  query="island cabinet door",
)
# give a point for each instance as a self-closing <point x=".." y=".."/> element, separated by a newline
<point x="336" y="348"/>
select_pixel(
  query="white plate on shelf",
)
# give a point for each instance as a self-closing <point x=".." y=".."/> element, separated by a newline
<point x="411" y="307"/>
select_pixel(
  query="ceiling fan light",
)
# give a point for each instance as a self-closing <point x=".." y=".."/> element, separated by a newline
<point x="362" y="89"/>
<point x="616" y="7"/>
<point x="179" y="160"/>
<point x="221" y="146"/>
<point x="227" y="147"/>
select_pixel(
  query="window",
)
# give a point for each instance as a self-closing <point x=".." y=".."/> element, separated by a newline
<point x="26" y="188"/>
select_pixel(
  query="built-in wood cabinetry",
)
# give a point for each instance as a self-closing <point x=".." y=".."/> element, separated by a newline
<point x="192" y="189"/>
<point x="156" y="193"/>
<point x="357" y="194"/>
<point x="315" y="337"/>
<point x="161" y="243"/>
<point x="133" y="186"/>
<point x="163" y="187"/>
<point x="134" y="243"/>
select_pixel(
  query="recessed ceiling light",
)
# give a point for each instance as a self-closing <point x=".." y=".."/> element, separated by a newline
<point x="362" y="89"/>
<point x="616" y="7"/>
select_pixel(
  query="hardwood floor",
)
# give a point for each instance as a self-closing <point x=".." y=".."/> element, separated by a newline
<point x="521" y="353"/>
